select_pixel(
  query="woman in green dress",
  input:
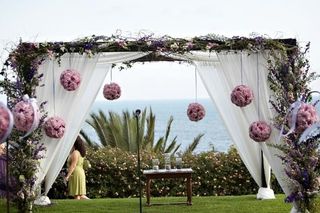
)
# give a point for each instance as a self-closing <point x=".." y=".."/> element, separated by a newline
<point x="76" y="177"/>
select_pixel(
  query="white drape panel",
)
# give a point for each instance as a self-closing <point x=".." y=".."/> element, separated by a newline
<point x="74" y="106"/>
<point x="219" y="89"/>
<point x="254" y="73"/>
<point x="220" y="73"/>
<point x="220" y="79"/>
<point x="252" y="64"/>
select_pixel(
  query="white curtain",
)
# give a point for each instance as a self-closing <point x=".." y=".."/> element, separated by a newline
<point x="255" y="75"/>
<point x="73" y="106"/>
<point x="220" y="74"/>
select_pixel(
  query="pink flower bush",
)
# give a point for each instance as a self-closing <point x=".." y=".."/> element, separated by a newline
<point x="306" y="116"/>
<point x="54" y="127"/>
<point x="241" y="95"/>
<point x="111" y="91"/>
<point x="259" y="131"/>
<point x="70" y="79"/>
<point x="4" y="123"/>
<point x="196" y="112"/>
<point x="23" y="115"/>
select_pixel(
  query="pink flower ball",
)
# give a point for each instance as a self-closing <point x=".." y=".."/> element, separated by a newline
<point x="70" y="79"/>
<point x="111" y="91"/>
<point x="54" y="127"/>
<point x="259" y="131"/>
<point x="4" y="122"/>
<point x="306" y="116"/>
<point x="23" y="115"/>
<point x="196" y="112"/>
<point x="241" y="95"/>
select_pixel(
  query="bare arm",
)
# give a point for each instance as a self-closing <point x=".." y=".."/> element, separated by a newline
<point x="74" y="160"/>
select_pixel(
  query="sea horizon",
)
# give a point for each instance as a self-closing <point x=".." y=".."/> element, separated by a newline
<point x="215" y="134"/>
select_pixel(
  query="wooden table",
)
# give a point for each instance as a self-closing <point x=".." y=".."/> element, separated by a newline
<point x="172" y="173"/>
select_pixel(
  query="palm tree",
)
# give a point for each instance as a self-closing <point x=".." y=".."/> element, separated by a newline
<point x="121" y="132"/>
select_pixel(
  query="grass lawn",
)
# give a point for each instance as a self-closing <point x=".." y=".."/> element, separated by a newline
<point x="223" y="204"/>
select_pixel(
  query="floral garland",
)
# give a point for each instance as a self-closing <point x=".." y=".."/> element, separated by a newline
<point x="289" y="78"/>
<point x="21" y="77"/>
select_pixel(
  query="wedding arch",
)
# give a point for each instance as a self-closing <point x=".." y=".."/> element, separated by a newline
<point x="34" y="69"/>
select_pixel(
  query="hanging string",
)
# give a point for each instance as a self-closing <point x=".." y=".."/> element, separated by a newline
<point x="258" y="85"/>
<point x="196" y="84"/>
<point x="53" y="89"/>
<point x="111" y="75"/>
<point x="69" y="60"/>
<point x="241" y="70"/>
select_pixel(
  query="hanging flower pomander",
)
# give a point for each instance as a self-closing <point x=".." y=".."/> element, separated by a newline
<point x="305" y="117"/>
<point x="70" y="79"/>
<point x="259" y="131"/>
<point x="54" y="127"/>
<point x="241" y="95"/>
<point x="6" y="122"/>
<point x="111" y="91"/>
<point x="26" y="115"/>
<point x="196" y="112"/>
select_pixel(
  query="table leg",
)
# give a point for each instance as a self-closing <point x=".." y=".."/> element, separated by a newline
<point x="189" y="190"/>
<point x="148" y="190"/>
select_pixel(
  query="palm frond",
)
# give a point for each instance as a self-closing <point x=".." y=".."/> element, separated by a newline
<point x="96" y="121"/>
<point x="175" y="150"/>
<point x="127" y="130"/>
<point x="149" y="136"/>
<point x="194" y="144"/>
<point x="168" y="129"/>
<point x="158" y="147"/>
<point x="171" y="146"/>
<point x="88" y="140"/>
<point x="114" y="130"/>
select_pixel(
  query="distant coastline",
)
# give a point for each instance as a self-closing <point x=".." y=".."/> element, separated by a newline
<point x="212" y="126"/>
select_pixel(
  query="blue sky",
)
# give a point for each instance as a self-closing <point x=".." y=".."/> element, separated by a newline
<point x="40" y="20"/>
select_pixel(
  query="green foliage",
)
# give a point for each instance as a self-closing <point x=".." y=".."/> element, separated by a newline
<point x="289" y="77"/>
<point x="121" y="132"/>
<point x="114" y="174"/>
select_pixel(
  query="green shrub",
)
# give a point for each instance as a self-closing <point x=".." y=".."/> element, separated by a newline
<point x="114" y="174"/>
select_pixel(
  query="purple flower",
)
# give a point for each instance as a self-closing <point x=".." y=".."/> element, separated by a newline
<point x="291" y="198"/>
<point x="305" y="178"/>
<point x="241" y="95"/>
<point x="189" y="45"/>
<point x="4" y="123"/>
<point x="196" y="112"/>
<point x="54" y="127"/>
<point x="70" y="79"/>
<point x="111" y="91"/>
<point x="259" y="131"/>
<point x="258" y="40"/>
<point x="88" y="46"/>
<point x="24" y="115"/>
<point x="313" y="161"/>
<point x="157" y="44"/>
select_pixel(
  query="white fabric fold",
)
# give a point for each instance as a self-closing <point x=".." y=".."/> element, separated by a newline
<point x="220" y="77"/>
<point x="219" y="87"/>
<point x="265" y="194"/>
<point x="72" y="106"/>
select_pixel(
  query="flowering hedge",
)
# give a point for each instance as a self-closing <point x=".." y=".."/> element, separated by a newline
<point x="114" y="174"/>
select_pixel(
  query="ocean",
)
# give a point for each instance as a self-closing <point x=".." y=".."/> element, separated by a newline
<point x="216" y="135"/>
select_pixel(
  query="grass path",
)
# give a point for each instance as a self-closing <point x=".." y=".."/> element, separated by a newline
<point x="223" y="204"/>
